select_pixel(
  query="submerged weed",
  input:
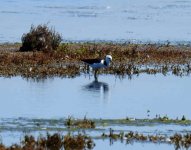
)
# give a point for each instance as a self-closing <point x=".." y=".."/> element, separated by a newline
<point x="180" y="141"/>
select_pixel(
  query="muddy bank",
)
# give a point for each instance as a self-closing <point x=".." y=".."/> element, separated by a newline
<point x="128" y="59"/>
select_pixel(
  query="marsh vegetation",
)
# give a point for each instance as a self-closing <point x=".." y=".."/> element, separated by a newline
<point x="128" y="59"/>
<point x="78" y="137"/>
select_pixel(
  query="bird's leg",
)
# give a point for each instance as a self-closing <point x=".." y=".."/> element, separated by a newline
<point x="88" y="69"/>
<point x="95" y="74"/>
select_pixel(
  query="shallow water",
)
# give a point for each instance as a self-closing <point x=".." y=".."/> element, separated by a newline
<point x="116" y="20"/>
<point x="133" y="146"/>
<point x="110" y="97"/>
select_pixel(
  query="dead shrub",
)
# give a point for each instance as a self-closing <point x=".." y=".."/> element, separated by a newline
<point x="40" y="38"/>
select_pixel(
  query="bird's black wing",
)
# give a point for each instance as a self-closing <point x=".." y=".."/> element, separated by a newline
<point x="91" y="61"/>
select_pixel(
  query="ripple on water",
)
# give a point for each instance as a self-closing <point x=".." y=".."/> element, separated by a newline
<point x="103" y="20"/>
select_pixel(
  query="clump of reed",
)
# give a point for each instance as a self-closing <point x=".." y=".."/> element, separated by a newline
<point x="180" y="141"/>
<point x="79" y="142"/>
<point x="133" y="136"/>
<point x="53" y="142"/>
<point x="79" y="123"/>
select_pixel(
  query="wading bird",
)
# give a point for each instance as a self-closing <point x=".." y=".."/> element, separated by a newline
<point x="98" y="63"/>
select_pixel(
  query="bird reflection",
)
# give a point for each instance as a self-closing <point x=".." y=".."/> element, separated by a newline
<point x="100" y="88"/>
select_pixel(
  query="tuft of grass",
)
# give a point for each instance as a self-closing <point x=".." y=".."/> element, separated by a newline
<point x="79" y="123"/>
<point x="54" y="142"/>
<point x="78" y="142"/>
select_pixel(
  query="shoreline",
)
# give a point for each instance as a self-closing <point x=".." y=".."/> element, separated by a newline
<point x="128" y="59"/>
<point x="115" y="41"/>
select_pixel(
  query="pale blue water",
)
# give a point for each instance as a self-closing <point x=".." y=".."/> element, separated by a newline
<point x="133" y="146"/>
<point x="116" y="20"/>
<point x="109" y="98"/>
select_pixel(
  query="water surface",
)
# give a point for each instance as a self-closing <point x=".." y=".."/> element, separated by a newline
<point x="110" y="97"/>
<point x="25" y="100"/>
<point x="113" y="20"/>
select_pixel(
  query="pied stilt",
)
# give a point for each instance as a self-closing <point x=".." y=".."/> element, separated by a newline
<point x="98" y="63"/>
